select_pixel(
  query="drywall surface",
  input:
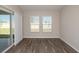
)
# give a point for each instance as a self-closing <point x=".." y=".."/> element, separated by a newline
<point x="55" y="24"/>
<point x="69" y="26"/>
<point x="18" y="22"/>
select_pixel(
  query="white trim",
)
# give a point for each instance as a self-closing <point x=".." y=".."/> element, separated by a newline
<point x="6" y="9"/>
<point x="16" y="43"/>
<point x="69" y="44"/>
<point x="7" y="48"/>
<point x="41" y="36"/>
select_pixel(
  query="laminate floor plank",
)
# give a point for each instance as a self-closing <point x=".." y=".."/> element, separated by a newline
<point x="42" y="45"/>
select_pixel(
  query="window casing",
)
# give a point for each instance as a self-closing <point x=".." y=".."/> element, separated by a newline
<point x="44" y="21"/>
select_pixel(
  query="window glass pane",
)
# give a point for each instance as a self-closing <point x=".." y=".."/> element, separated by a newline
<point x="47" y="28"/>
<point x="47" y="23"/>
<point x="34" y="28"/>
<point x="4" y="24"/>
<point x="35" y="20"/>
<point x="35" y="24"/>
<point x="46" y="20"/>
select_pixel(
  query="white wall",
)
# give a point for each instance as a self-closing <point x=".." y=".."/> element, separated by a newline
<point x="55" y="26"/>
<point x="70" y="26"/>
<point x="18" y="22"/>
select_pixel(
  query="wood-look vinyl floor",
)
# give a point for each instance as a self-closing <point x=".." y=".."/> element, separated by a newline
<point x="41" y="45"/>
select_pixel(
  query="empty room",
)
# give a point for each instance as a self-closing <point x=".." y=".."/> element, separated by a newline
<point x="39" y="28"/>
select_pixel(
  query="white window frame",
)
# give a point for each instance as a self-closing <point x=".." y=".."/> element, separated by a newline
<point x="49" y="24"/>
<point x="41" y="25"/>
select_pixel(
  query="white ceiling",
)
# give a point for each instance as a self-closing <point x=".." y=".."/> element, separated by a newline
<point x="41" y="7"/>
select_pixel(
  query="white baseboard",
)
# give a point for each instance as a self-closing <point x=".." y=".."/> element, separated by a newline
<point x="17" y="42"/>
<point x="69" y="44"/>
<point x="7" y="49"/>
<point x="41" y="37"/>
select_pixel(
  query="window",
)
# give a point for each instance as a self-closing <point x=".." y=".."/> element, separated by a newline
<point x="5" y="24"/>
<point x="44" y="21"/>
<point x="34" y="23"/>
<point x="47" y="23"/>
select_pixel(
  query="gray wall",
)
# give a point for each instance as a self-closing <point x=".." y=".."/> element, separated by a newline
<point x="70" y="26"/>
<point x="55" y="24"/>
